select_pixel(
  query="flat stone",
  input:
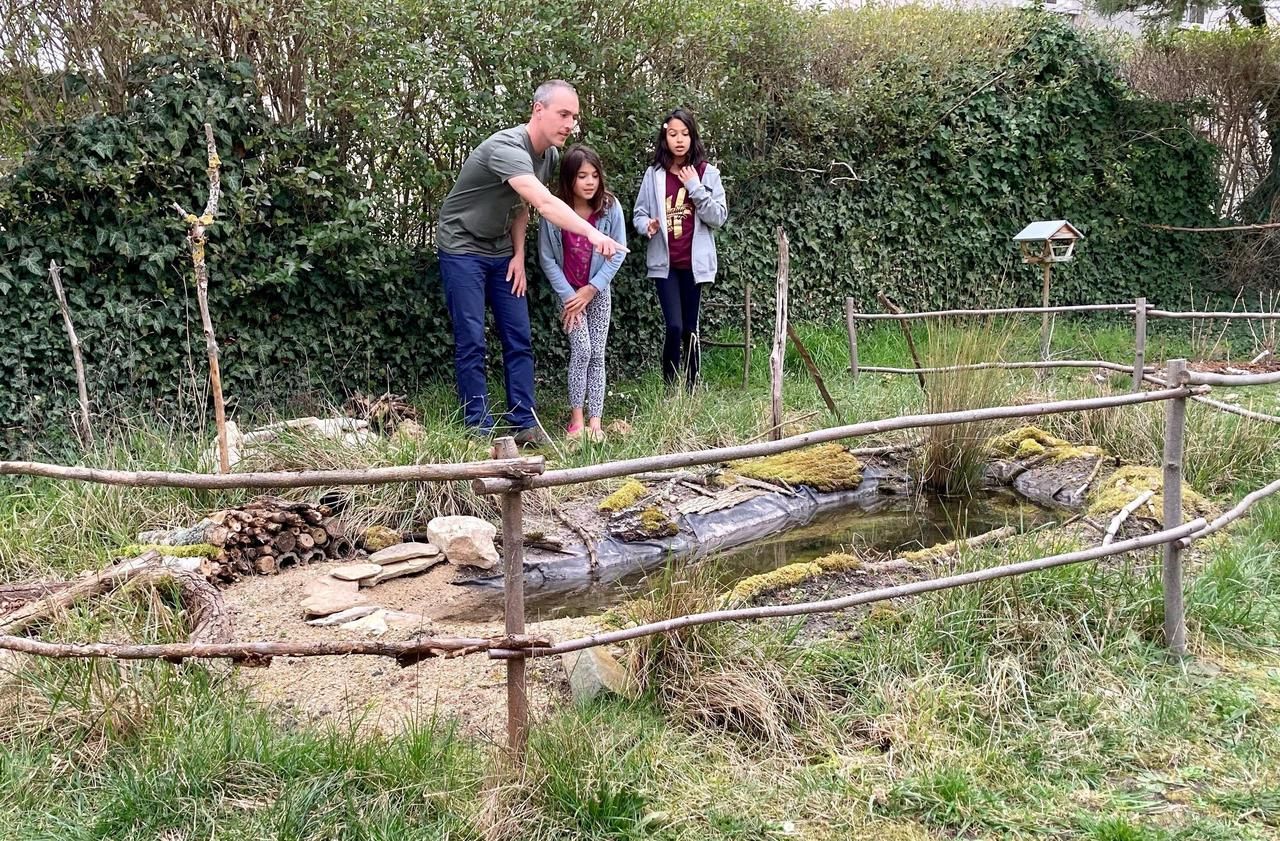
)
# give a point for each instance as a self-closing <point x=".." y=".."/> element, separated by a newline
<point x="403" y="552"/>
<point x="375" y="624"/>
<point x="410" y="567"/>
<point x="465" y="540"/>
<point x="348" y="615"/>
<point x="327" y="595"/>
<point x="593" y="671"/>
<point x="400" y="619"/>
<point x="356" y="572"/>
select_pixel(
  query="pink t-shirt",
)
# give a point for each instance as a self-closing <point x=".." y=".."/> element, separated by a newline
<point x="577" y="256"/>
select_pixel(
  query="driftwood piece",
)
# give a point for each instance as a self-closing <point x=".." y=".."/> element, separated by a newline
<point x="778" y="354"/>
<point x="814" y="373"/>
<point x="49" y="606"/>
<point x="906" y="332"/>
<point x="196" y="238"/>
<point x="86" y="429"/>
<point x="1118" y="520"/>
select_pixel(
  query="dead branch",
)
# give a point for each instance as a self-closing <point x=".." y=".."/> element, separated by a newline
<point x="1114" y="528"/>
<point x="86" y="429"/>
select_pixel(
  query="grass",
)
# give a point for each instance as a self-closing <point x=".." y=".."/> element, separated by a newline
<point x="1042" y="706"/>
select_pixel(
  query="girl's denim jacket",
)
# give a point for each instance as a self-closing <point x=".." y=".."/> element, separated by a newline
<point x="551" y="252"/>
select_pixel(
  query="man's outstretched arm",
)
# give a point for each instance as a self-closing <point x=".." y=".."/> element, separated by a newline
<point x="561" y="215"/>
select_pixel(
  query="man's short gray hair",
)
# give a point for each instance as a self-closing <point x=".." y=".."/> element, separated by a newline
<point x="547" y="89"/>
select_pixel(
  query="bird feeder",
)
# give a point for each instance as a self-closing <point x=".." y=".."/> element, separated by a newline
<point x="1047" y="243"/>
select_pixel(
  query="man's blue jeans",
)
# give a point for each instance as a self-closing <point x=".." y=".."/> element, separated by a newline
<point x="470" y="282"/>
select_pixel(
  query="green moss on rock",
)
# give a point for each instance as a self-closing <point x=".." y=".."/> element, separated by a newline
<point x="624" y="497"/>
<point x="826" y="467"/>
<point x="1127" y="483"/>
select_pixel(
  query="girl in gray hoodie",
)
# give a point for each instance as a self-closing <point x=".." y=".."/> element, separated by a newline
<point x="679" y="207"/>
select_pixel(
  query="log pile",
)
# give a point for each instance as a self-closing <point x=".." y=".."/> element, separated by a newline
<point x="263" y="537"/>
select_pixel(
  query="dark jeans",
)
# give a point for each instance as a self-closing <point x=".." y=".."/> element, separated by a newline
<point x="680" y="297"/>
<point x="471" y="281"/>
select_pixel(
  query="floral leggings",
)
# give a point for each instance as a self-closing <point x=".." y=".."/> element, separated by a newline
<point x="586" y="356"/>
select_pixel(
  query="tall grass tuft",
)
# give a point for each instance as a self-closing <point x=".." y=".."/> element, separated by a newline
<point x="955" y="457"/>
<point x="724" y="677"/>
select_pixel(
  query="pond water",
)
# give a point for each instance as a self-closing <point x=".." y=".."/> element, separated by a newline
<point x="910" y="524"/>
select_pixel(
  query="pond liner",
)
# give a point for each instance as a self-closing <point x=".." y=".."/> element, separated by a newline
<point x="701" y="534"/>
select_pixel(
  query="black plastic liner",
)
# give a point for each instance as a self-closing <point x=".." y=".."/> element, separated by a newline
<point x="701" y="534"/>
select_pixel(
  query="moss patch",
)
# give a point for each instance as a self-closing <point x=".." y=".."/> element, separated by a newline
<point x="1027" y="442"/>
<point x="826" y="467"/>
<point x="791" y="574"/>
<point x="767" y="582"/>
<point x="624" y="497"/>
<point x="194" y="550"/>
<point x="380" y="537"/>
<point x="1128" y="482"/>
<point x="656" y="523"/>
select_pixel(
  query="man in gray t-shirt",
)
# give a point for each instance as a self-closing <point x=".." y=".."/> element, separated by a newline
<point x="480" y="238"/>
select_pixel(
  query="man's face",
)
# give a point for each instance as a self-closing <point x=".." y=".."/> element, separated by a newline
<point x="558" y="118"/>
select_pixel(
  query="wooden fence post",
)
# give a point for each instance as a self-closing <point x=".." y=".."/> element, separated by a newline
<point x="1045" y="318"/>
<point x="851" y="321"/>
<point x="1140" y="341"/>
<point x="777" y="355"/>
<point x="1175" y="624"/>
<point x="746" y="335"/>
<point x="513" y="588"/>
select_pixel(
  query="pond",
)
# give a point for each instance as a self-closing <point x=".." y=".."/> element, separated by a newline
<point x="907" y="524"/>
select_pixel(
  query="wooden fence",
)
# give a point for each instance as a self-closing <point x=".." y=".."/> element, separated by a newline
<point x="511" y="476"/>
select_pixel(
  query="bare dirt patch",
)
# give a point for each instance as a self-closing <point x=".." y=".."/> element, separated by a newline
<point x="374" y="691"/>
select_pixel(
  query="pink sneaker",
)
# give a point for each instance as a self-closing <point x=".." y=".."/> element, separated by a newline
<point x="573" y="431"/>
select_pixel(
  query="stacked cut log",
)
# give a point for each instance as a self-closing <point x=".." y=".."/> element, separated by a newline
<point x="264" y="537"/>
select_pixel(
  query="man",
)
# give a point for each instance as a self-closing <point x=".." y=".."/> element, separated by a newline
<point x="481" y="240"/>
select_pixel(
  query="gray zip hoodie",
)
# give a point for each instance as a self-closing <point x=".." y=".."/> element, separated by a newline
<point x="710" y="212"/>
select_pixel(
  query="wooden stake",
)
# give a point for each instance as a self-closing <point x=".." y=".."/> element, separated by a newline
<point x="196" y="237"/>
<point x="746" y="335"/>
<point x="1175" y="624"/>
<point x="1045" y="318"/>
<point x="778" y="353"/>
<point x="1140" y="341"/>
<point x="513" y="587"/>
<point x="906" y="332"/>
<point x="816" y="375"/>
<point x="86" y="430"/>
<point x="851" y="322"/>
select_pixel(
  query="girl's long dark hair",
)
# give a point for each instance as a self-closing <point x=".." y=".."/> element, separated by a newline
<point x="697" y="154"/>
<point x="569" y="166"/>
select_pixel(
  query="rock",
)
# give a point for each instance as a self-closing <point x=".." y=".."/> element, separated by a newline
<point x="593" y="671"/>
<point x="404" y="552"/>
<point x="410" y="567"/>
<point x="465" y="540"/>
<point x="348" y="615"/>
<point x="642" y="522"/>
<point x="400" y="619"/>
<point x="356" y="572"/>
<point x="379" y="537"/>
<point x="328" y="595"/>
<point x="375" y="623"/>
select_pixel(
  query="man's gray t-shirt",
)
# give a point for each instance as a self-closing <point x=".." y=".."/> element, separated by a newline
<point x="476" y="215"/>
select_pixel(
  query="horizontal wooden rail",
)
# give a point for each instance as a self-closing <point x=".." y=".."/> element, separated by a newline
<point x="672" y="461"/>
<point x="510" y="469"/>
<point x="868" y="597"/>
<point x="910" y="316"/>
<point x="407" y="652"/>
<point x="979" y="366"/>
<point x="1211" y="378"/>
<point x="1262" y="316"/>
<point x="1234" y="513"/>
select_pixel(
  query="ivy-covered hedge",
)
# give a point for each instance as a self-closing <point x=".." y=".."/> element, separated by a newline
<point x="908" y="173"/>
